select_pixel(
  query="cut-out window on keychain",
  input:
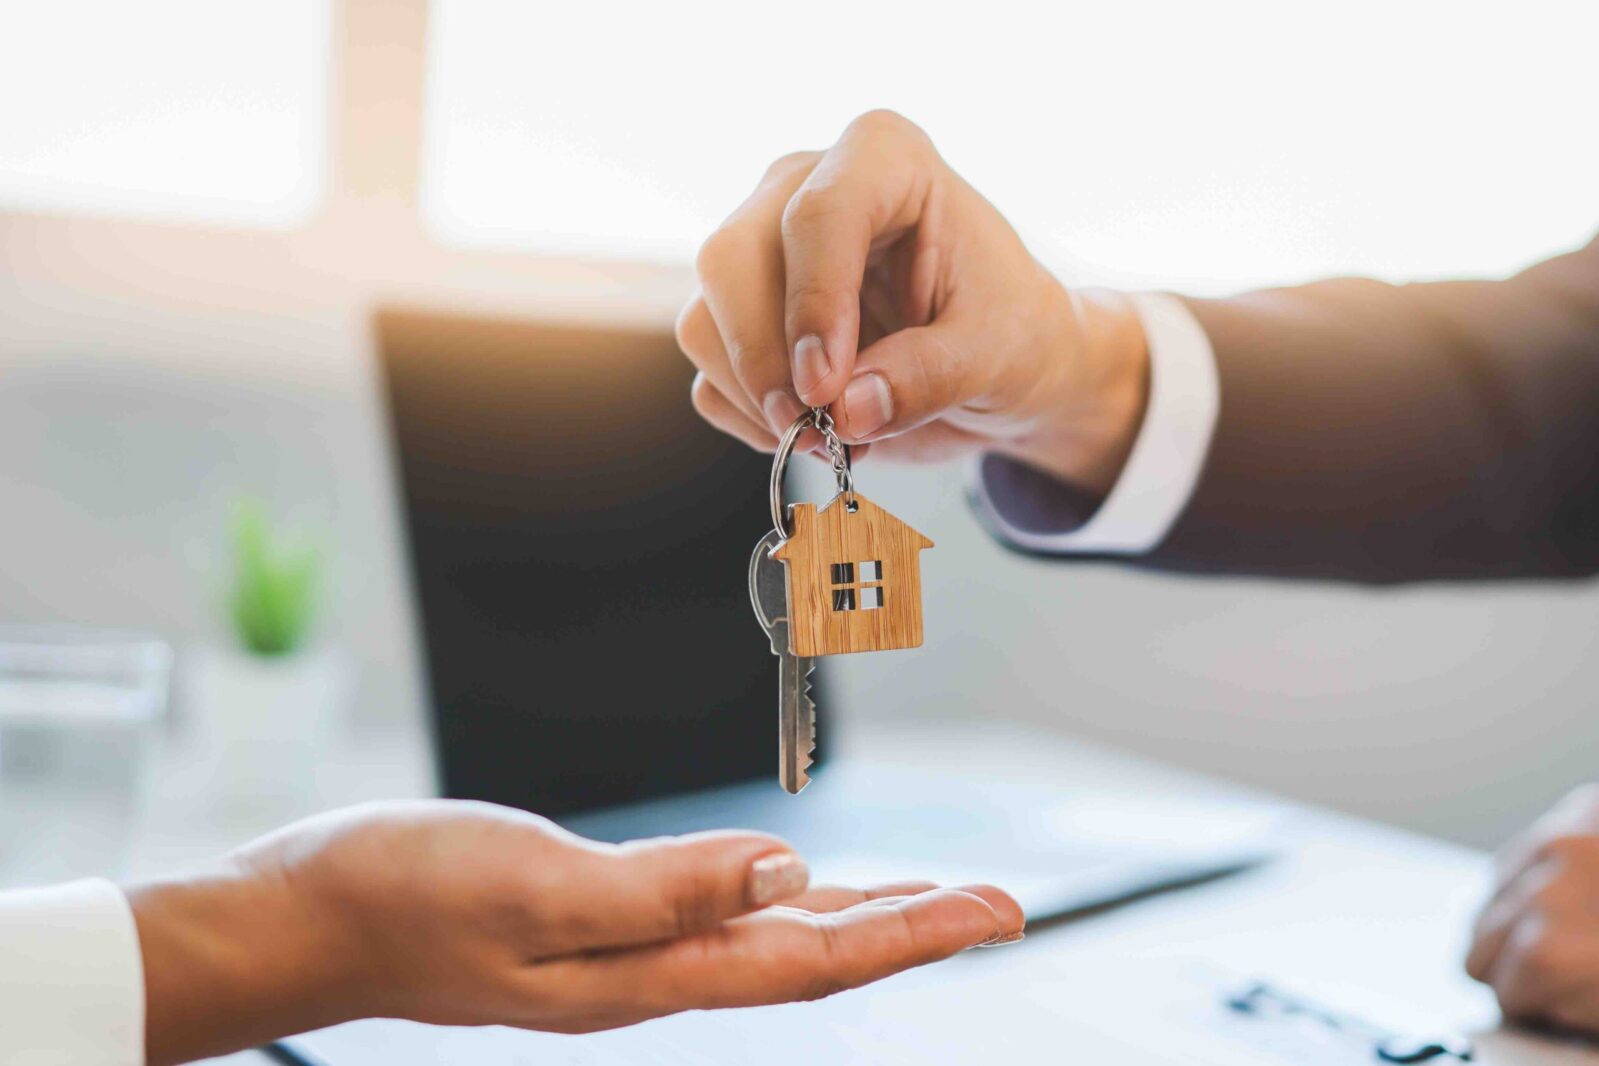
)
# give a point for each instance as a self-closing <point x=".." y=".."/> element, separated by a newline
<point x="852" y="595"/>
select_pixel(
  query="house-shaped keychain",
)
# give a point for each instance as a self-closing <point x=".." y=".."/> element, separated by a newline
<point x="854" y="578"/>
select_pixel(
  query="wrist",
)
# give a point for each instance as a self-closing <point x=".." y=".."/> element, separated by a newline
<point x="234" y="958"/>
<point x="1095" y="386"/>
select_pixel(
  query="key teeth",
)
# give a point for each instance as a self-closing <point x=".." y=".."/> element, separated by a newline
<point x="810" y="731"/>
<point x="810" y="719"/>
<point x="808" y="707"/>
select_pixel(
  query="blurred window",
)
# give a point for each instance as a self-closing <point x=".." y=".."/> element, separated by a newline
<point x="187" y="109"/>
<point x="1199" y="145"/>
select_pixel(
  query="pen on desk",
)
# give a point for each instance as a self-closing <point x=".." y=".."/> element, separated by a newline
<point x="282" y="1053"/>
<point x="1262" y="999"/>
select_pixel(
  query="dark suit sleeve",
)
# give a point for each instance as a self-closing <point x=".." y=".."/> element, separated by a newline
<point x="1381" y="433"/>
<point x="1389" y="433"/>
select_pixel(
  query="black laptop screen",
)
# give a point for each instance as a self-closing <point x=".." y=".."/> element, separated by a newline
<point x="579" y="544"/>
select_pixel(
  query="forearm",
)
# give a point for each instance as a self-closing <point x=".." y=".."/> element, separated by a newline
<point x="232" y="961"/>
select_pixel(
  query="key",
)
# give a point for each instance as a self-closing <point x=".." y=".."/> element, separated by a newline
<point x="796" y="712"/>
<point x="845" y="598"/>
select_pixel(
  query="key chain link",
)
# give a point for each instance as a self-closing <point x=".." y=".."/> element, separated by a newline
<point x="818" y="419"/>
<point x="838" y="451"/>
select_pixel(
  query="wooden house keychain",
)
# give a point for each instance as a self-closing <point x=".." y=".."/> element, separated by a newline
<point x="843" y="578"/>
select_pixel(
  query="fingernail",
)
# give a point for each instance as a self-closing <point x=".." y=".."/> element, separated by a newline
<point x="810" y="363"/>
<point x="776" y="877"/>
<point x="996" y="941"/>
<point x="867" y="405"/>
<point x="780" y="408"/>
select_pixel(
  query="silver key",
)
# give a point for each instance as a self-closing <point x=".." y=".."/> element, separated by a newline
<point x="796" y="712"/>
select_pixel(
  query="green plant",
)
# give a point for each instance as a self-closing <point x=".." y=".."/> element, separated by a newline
<point x="274" y="584"/>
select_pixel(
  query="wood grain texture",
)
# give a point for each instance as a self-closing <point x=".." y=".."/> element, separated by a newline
<point x="835" y="535"/>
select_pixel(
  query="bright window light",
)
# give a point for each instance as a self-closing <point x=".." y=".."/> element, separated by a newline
<point x="186" y="109"/>
<point x="1203" y="146"/>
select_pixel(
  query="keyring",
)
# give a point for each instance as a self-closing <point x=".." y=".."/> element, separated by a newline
<point x="818" y="419"/>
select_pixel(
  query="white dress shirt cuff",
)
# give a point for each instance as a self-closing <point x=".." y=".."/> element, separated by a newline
<point x="1166" y="458"/>
<point x="71" y="977"/>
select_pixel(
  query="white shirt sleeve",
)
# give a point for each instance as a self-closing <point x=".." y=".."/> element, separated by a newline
<point x="1167" y="456"/>
<point x="71" y="977"/>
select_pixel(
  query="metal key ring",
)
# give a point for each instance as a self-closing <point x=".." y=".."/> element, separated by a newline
<point x="818" y="419"/>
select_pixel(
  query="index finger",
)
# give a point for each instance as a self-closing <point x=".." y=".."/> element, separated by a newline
<point x="869" y="187"/>
<point x="741" y="284"/>
<point x="823" y="898"/>
<point x="779" y="956"/>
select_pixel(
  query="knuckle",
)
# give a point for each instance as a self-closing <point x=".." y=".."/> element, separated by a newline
<point x="924" y="393"/>
<point x="710" y="254"/>
<point x="813" y="303"/>
<point x="693" y="326"/>
<point x="935" y="379"/>
<point x="812" y="290"/>
<point x="1567" y="848"/>
<point x="720" y="252"/>
<point x="694" y="905"/>
<point x="830" y="946"/>
<point x="825" y="977"/>
<point x="810" y="206"/>
<point x="785" y="166"/>
<point x="703" y="395"/>
<point x="885" y="122"/>
<point x="827" y="973"/>
<point x="756" y="361"/>
<point x="687" y="917"/>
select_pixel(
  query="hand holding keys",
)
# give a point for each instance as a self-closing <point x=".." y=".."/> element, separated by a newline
<point x="843" y="579"/>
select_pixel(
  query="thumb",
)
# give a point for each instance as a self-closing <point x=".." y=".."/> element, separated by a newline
<point x="909" y="378"/>
<point x="671" y="887"/>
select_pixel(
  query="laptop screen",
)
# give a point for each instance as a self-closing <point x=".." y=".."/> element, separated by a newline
<point x="579" y="543"/>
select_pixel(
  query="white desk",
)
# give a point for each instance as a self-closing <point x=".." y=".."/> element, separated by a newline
<point x="1361" y="917"/>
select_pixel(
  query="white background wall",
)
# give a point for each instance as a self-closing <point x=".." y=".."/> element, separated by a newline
<point x="150" y="370"/>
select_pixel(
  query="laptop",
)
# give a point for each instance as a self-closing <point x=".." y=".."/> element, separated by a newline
<point x="579" y="543"/>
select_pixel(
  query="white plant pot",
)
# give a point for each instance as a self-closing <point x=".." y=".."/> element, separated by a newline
<point x="264" y="726"/>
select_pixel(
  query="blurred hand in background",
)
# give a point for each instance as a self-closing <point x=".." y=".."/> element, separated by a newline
<point x="871" y="278"/>
<point x="471" y="914"/>
<point x="1537" y="939"/>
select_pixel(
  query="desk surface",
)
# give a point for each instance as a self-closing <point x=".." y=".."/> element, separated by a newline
<point x="1361" y="917"/>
